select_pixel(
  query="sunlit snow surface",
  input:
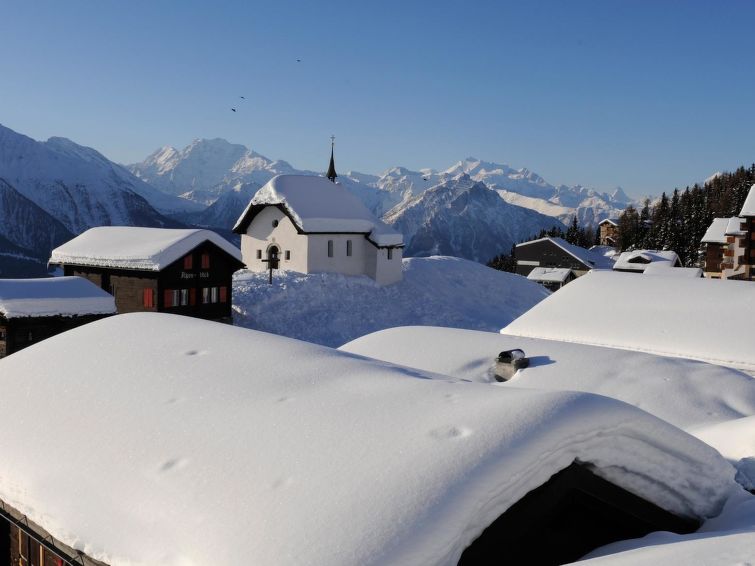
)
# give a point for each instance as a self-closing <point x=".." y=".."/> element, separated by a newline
<point x="332" y="309"/>
<point x="159" y="439"/>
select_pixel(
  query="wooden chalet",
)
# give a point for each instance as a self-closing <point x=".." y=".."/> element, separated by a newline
<point x="724" y="247"/>
<point x="748" y="225"/>
<point x="609" y="232"/>
<point x="557" y="252"/>
<point x="552" y="278"/>
<point x="32" y="310"/>
<point x="187" y="272"/>
<point x="637" y="261"/>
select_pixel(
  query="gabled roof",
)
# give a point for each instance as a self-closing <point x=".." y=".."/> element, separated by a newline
<point x="183" y="441"/>
<point x="53" y="296"/>
<point x="716" y="232"/>
<point x="637" y="260"/>
<point x="614" y="221"/>
<point x="748" y="209"/>
<point x="128" y="247"/>
<point x="589" y="258"/>
<point x="549" y="274"/>
<point x="318" y="206"/>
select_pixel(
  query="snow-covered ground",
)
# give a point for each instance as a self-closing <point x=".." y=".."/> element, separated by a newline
<point x="207" y="442"/>
<point x="332" y="309"/>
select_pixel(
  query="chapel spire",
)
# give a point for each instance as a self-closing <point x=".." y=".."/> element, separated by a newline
<point x="331" y="174"/>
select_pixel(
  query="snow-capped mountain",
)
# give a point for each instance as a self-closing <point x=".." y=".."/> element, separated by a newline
<point x="79" y="186"/>
<point x="463" y="217"/>
<point x="206" y="169"/>
<point x="28" y="233"/>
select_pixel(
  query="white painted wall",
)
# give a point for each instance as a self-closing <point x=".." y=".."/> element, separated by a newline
<point x="309" y="252"/>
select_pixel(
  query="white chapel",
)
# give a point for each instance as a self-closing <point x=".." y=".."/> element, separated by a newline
<point x="313" y="224"/>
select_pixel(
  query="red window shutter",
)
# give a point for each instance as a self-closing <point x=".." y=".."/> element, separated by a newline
<point x="205" y="261"/>
<point x="223" y="294"/>
<point x="187" y="262"/>
<point x="148" y="298"/>
<point x="168" y="298"/>
<point x="192" y="297"/>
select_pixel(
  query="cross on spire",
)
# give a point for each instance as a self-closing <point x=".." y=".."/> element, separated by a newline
<point x="331" y="174"/>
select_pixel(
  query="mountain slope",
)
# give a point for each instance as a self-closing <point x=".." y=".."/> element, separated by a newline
<point x="464" y="218"/>
<point x="79" y="186"/>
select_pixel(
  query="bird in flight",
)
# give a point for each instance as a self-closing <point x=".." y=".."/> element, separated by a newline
<point x="298" y="60"/>
<point x="242" y="97"/>
<point x="233" y="110"/>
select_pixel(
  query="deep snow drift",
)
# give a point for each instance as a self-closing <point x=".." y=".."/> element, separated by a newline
<point x="683" y="392"/>
<point x="332" y="309"/>
<point x="208" y="442"/>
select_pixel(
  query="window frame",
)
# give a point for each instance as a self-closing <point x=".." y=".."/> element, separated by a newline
<point x="330" y="248"/>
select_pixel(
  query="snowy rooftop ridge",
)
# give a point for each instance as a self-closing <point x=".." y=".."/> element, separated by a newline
<point x="317" y="205"/>
<point x="129" y="247"/>
<point x="734" y="227"/>
<point x="668" y="316"/>
<point x="238" y="443"/>
<point x="588" y="257"/>
<point x="716" y="232"/>
<point x="638" y="260"/>
<point x="549" y="274"/>
<point x="53" y="296"/>
<point x="748" y="208"/>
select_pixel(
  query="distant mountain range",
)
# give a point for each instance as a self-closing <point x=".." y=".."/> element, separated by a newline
<point x="53" y="190"/>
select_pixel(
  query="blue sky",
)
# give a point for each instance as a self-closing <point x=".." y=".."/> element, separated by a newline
<point x="648" y="95"/>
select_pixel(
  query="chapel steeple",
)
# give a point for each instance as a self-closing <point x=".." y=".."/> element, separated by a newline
<point x="331" y="174"/>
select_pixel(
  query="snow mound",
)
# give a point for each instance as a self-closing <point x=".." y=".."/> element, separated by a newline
<point x="207" y="442"/>
<point x="694" y="318"/>
<point x="683" y="392"/>
<point x="130" y="247"/>
<point x="58" y="296"/>
<point x="332" y="309"/>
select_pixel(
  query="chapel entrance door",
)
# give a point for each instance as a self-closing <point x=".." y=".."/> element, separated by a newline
<point x="273" y="257"/>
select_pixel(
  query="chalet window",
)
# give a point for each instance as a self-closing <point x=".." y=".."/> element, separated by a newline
<point x="30" y="336"/>
<point x="205" y="295"/>
<point x="223" y="294"/>
<point x="184" y="297"/>
<point x="205" y="261"/>
<point x="188" y="263"/>
<point x="214" y="294"/>
<point x="390" y="253"/>
<point x="275" y="223"/>
<point x="259" y="254"/>
<point x="330" y="248"/>
<point x="192" y="296"/>
<point x="348" y="247"/>
<point x="176" y="300"/>
<point x="149" y="298"/>
<point x="2" y="334"/>
<point x="288" y="255"/>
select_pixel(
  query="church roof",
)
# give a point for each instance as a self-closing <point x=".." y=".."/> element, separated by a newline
<point x="317" y="206"/>
<point x="331" y="174"/>
<point x="748" y="209"/>
<point x="129" y="247"/>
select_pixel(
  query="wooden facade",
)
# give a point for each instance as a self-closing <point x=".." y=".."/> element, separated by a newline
<point x="609" y="232"/>
<point x="19" y="332"/>
<point x="198" y="284"/>
<point x="546" y="253"/>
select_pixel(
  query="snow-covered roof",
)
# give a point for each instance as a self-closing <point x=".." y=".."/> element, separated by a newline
<point x="202" y="443"/>
<point x="549" y="274"/>
<point x="734" y="227"/>
<point x="638" y="260"/>
<point x="748" y="209"/>
<point x="694" y="318"/>
<point x="614" y="221"/>
<point x="129" y="247"/>
<point x="683" y="392"/>
<point x="317" y="205"/>
<point x="667" y="270"/>
<point x="716" y="232"/>
<point x="53" y="296"/>
<point x="589" y="258"/>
